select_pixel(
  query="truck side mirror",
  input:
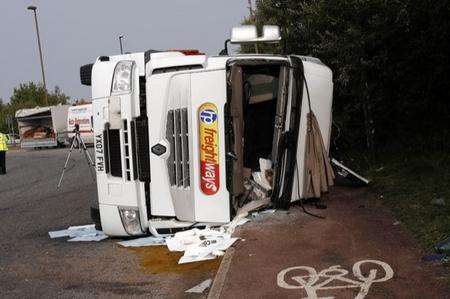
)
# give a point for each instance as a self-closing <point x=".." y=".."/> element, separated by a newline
<point x="248" y="34"/>
<point x="86" y="74"/>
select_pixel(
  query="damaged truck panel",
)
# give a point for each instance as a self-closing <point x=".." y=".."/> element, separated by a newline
<point x="318" y="82"/>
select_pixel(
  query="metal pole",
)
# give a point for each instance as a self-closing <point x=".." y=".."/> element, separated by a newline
<point x="34" y="8"/>
<point x="250" y="8"/>
<point x="120" y="42"/>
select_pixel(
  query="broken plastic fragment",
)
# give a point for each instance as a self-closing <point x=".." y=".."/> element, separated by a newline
<point x="82" y="233"/>
<point x="82" y="230"/>
<point x="59" y="233"/>
<point x="262" y="177"/>
<point x="191" y="259"/>
<point x="346" y="172"/>
<point x="201" y="287"/>
<point x="87" y="238"/>
<point x="148" y="241"/>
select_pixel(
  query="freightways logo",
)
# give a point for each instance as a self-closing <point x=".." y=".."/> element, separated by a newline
<point x="209" y="149"/>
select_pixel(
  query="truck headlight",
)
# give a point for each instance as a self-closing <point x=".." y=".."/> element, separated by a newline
<point x="130" y="220"/>
<point x="122" y="77"/>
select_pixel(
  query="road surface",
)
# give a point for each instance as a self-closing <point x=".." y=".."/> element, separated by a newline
<point x="33" y="265"/>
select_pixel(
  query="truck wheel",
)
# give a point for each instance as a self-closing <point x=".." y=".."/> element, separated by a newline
<point x="95" y="216"/>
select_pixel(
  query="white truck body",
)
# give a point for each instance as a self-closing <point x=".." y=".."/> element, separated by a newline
<point x="162" y="146"/>
<point x="81" y="115"/>
<point x="42" y="126"/>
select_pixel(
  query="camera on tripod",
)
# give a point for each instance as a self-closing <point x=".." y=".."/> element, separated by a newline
<point x="77" y="142"/>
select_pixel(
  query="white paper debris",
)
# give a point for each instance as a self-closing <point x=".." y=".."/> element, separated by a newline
<point x="59" y="233"/>
<point x="88" y="238"/>
<point x="148" y="241"/>
<point x="265" y="164"/>
<point x="260" y="177"/>
<point x="261" y="180"/>
<point x="201" y="287"/>
<point x="82" y="233"/>
<point x="82" y="230"/>
<point x="200" y="244"/>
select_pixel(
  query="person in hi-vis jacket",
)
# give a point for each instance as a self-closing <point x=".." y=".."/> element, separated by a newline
<point x="3" y="149"/>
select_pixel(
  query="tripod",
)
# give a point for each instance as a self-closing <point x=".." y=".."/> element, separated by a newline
<point x="77" y="142"/>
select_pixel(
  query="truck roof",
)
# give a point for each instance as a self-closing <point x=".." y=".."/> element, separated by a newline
<point x="36" y="110"/>
<point x="175" y="58"/>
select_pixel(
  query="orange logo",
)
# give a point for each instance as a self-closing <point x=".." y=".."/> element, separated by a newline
<point x="209" y="148"/>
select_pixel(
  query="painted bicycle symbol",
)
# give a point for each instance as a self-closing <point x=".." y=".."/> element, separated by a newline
<point x="312" y="281"/>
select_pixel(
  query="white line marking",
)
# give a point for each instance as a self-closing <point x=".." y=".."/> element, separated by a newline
<point x="309" y="282"/>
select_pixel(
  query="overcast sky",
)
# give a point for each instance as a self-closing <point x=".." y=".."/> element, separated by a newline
<point x="75" y="32"/>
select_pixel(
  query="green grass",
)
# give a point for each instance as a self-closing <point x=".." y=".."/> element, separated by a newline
<point x="408" y="186"/>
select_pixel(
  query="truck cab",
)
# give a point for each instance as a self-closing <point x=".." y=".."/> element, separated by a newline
<point x="177" y="132"/>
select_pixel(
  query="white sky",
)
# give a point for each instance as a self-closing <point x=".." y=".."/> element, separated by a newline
<point x="74" y="33"/>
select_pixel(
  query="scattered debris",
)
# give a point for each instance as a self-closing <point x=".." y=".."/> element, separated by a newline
<point x="438" y="202"/>
<point x="442" y="255"/>
<point x="396" y="223"/>
<point x="443" y="247"/>
<point x="88" y="238"/>
<point x="147" y="241"/>
<point x="201" y="287"/>
<point x="82" y="233"/>
<point x="264" y="176"/>
<point x="269" y="211"/>
<point x="346" y="176"/>
<point x="199" y="245"/>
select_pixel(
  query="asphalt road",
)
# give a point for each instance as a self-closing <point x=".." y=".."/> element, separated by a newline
<point x="33" y="265"/>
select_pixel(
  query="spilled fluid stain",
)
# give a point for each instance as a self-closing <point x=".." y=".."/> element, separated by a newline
<point x="158" y="259"/>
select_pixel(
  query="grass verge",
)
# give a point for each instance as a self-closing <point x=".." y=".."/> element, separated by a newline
<point x="409" y="186"/>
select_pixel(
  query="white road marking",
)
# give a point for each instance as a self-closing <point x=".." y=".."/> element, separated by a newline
<point x="310" y="281"/>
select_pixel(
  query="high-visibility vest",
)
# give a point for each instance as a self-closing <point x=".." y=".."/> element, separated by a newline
<point x="3" y="139"/>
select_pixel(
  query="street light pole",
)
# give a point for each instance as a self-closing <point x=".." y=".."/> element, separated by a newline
<point x="34" y="8"/>
<point x="120" y="42"/>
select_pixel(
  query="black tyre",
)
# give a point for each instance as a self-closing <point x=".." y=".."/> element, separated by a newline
<point x="95" y="216"/>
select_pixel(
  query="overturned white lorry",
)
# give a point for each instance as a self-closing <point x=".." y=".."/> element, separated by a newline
<point x="177" y="132"/>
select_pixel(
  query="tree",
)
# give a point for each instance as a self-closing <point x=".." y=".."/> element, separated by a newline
<point x="390" y="63"/>
<point x="3" y="127"/>
<point x="29" y="95"/>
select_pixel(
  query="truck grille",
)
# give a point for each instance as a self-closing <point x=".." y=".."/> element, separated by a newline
<point x="126" y="144"/>
<point x="115" y="160"/>
<point x="177" y="134"/>
<point x="139" y="129"/>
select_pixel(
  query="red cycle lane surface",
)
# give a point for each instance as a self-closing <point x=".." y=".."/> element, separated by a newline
<point x="357" y="228"/>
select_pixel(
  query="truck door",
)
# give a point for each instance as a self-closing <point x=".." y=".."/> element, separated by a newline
<point x="287" y="124"/>
<point x="190" y="124"/>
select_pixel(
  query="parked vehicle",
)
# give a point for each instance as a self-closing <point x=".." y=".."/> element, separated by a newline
<point x="81" y="115"/>
<point x="42" y="126"/>
<point x="176" y="132"/>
